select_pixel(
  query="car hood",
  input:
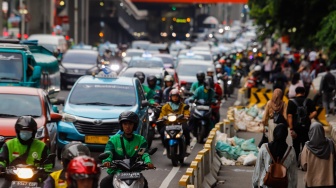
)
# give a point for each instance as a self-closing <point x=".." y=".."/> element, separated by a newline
<point x="100" y="112"/>
<point x="189" y="79"/>
<point x="77" y="66"/>
<point x="8" y="124"/>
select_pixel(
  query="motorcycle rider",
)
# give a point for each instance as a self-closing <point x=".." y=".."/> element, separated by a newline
<point x="169" y="85"/>
<point x="176" y="106"/>
<point x="82" y="172"/>
<point x="154" y="94"/>
<point x="128" y="121"/>
<point x="219" y="69"/>
<point x="141" y="76"/>
<point x="218" y="96"/>
<point x="200" y="81"/>
<point x="23" y="149"/>
<point x="57" y="179"/>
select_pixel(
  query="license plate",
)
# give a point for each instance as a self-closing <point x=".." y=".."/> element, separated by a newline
<point x="96" y="139"/>
<point x="24" y="184"/>
<point x="129" y="175"/>
<point x="203" y="107"/>
<point x="173" y="127"/>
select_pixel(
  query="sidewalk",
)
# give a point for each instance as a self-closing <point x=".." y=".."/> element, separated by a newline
<point x="241" y="176"/>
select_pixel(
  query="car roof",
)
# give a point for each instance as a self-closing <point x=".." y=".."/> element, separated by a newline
<point x="146" y="71"/>
<point x="20" y="90"/>
<point x="134" y="50"/>
<point x="163" y="55"/>
<point x="115" y="81"/>
<point x="82" y="51"/>
<point x="194" y="62"/>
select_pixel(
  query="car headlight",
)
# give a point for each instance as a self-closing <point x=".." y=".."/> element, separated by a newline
<point x="24" y="173"/>
<point x="69" y="118"/>
<point x="115" y="67"/>
<point x="40" y="133"/>
<point x="172" y="118"/>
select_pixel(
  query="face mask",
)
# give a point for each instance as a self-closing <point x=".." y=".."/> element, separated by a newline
<point x="26" y="135"/>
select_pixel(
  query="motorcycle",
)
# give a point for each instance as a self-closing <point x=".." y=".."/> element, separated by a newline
<point x="174" y="138"/>
<point x="130" y="175"/>
<point x="153" y="115"/>
<point x="27" y="176"/>
<point x="201" y="116"/>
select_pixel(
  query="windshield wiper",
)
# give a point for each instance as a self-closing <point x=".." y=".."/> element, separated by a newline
<point x="122" y="105"/>
<point x="94" y="103"/>
<point x="8" y="115"/>
<point x="8" y="78"/>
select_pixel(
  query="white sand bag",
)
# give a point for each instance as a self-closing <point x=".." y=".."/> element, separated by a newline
<point x="250" y="160"/>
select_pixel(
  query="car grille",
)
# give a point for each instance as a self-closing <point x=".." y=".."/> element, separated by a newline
<point x="88" y="128"/>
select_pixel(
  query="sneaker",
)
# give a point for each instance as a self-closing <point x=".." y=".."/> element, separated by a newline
<point x="188" y="149"/>
<point x="164" y="152"/>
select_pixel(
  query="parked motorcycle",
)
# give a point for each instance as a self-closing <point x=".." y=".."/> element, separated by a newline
<point x="201" y="115"/>
<point x="130" y="175"/>
<point x="28" y="176"/>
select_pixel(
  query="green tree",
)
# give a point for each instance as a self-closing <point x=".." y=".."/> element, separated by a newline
<point x="326" y="35"/>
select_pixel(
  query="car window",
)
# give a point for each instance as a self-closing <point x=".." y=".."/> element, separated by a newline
<point x="80" y="58"/>
<point x="103" y="94"/>
<point x="141" y="92"/>
<point x="20" y="105"/>
<point x="190" y="70"/>
<point x="11" y="66"/>
<point x="145" y="63"/>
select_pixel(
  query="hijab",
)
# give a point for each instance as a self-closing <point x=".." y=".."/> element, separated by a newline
<point x="276" y="101"/>
<point x="278" y="146"/>
<point x="318" y="144"/>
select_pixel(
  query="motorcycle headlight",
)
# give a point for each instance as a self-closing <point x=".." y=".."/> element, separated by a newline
<point x="69" y="118"/>
<point x="115" y="67"/>
<point x="172" y="118"/>
<point x="229" y="82"/>
<point x="167" y="136"/>
<point x="123" y="54"/>
<point x="179" y="135"/>
<point x="40" y="133"/>
<point x="24" y="173"/>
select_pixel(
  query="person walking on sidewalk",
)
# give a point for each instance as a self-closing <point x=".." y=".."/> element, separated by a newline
<point x="273" y="106"/>
<point x="317" y="158"/>
<point x="300" y="111"/>
<point x="278" y="147"/>
<point x="327" y="88"/>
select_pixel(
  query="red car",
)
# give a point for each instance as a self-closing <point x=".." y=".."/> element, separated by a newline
<point x="19" y="101"/>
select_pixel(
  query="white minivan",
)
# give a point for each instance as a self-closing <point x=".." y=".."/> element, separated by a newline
<point x="50" y="42"/>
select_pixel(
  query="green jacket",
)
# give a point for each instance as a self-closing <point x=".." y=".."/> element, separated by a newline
<point x="207" y="95"/>
<point x="131" y="146"/>
<point x="194" y="86"/>
<point x="151" y="93"/>
<point x="13" y="149"/>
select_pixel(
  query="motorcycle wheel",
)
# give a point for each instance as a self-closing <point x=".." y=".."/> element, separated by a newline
<point x="173" y="155"/>
<point x="59" y="153"/>
<point x="151" y="133"/>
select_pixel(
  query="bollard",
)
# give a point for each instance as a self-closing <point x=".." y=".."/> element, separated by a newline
<point x="196" y="166"/>
<point x="209" y="177"/>
<point x="192" y="175"/>
<point x="227" y="127"/>
<point x="216" y="160"/>
<point x="190" y="186"/>
<point x="184" y="181"/>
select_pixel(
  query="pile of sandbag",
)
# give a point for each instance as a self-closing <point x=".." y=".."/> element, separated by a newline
<point x="248" y="119"/>
<point x="236" y="150"/>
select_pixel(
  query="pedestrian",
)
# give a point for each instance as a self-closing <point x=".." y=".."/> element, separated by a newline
<point x="276" y="104"/>
<point x="278" y="147"/>
<point x="317" y="158"/>
<point x="296" y="82"/>
<point x="307" y="79"/>
<point x="327" y="88"/>
<point x="300" y="111"/>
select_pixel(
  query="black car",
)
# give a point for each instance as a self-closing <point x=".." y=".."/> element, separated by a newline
<point x="76" y="63"/>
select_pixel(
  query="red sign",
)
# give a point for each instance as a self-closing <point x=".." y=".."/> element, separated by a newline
<point x="190" y="1"/>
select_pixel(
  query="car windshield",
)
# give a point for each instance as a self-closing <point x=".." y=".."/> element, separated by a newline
<point x="168" y="62"/>
<point x="15" y="105"/>
<point x="145" y="63"/>
<point x="103" y="95"/>
<point x="133" y="54"/>
<point x="11" y="66"/>
<point x="190" y="70"/>
<point x="80" y="58"/>
<point x="50" y="47"/>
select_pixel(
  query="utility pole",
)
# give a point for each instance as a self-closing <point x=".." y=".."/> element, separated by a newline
<point x="22" y="12"/>
<point x="44" y="17"/>
<point x="76" y="22"/>
<point x="1" y="20"/>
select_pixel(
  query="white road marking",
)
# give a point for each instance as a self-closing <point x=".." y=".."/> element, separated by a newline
<point x="170" y="176"/>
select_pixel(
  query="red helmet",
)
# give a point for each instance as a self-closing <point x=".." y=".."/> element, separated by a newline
<point x="82" y="167"/>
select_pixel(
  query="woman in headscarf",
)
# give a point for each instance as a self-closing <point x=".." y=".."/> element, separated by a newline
<point x="317" y="158"/>
<point x="278" y="148"/>
<point x="276" y="104"/>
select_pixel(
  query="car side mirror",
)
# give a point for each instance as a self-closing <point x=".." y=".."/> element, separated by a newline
<point x="144" y="103"/>
<point x="36" y="73"/>
<point x="55" y="117"/>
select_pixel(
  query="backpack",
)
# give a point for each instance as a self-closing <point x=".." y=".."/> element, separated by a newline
<point x="276" y="174"/>
<point x="301" y="111"/>
<point x="279" y="118"/>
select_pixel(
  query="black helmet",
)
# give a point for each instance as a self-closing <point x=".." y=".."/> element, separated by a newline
<point x="141" y="76"/>
<point x="208" y="83"/>
<point x="72" y="150"/>
<point x="25" y="123"/>
<point x="129" y="116"/>
<point x="151" y="78"/>
<point x="200" y="76"/>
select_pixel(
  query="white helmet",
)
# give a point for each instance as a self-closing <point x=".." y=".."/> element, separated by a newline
<point x="257" y="68"/>
<point x="210" y="70"/>
<point x="218" y="66"/>
<point x="168" y="78"/>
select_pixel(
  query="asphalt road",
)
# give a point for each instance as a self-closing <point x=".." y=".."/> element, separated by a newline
<point x="165" y="175"/>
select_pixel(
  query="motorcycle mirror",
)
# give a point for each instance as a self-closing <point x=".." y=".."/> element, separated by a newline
<point x="50" y="158"/>
<point x="186" y="107"/>
<point x="152" y="151"/>
<point x="144" y="103"/>
<point x="104" y="155"/>
<point x="141" y="151"/>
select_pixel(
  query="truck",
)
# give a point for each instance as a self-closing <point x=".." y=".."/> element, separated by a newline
<point x="25" y="63"/>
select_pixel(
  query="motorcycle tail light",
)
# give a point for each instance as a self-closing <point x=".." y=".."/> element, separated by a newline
<point x="24" y="173"/>
<point x="153" y="125"/>
<point x="183" y="83"/>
